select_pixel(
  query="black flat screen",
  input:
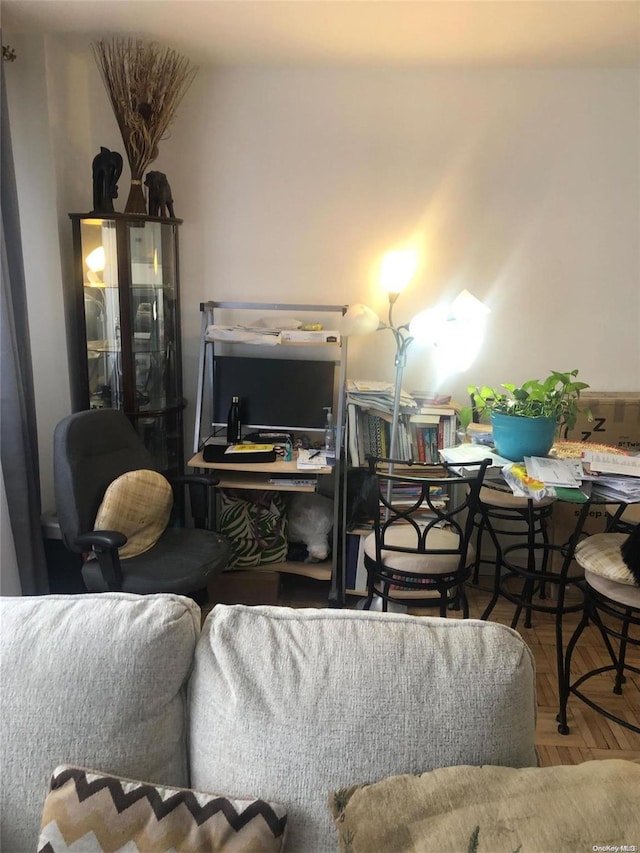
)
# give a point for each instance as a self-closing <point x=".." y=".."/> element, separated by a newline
<point x="286" y="394"/>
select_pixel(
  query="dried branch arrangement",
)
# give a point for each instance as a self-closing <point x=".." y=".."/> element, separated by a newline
<point x="145" y="84"/>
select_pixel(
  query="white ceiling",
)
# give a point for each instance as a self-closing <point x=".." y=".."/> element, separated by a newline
<point x="440" y="33"/>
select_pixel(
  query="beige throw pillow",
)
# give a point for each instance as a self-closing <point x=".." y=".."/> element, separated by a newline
<point x="494" y="810"/>
<point x="95" y="812"/>
<point x="137" y="504"/>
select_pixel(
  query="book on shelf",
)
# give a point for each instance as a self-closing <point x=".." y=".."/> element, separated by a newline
<point x="419" y="435"/>
<point x="423" y="418"/>
<point x="440" y="411"/>
<point x="376" y="395"/>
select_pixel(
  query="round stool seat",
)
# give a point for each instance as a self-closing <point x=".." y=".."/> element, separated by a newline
<point x="611" y="592"/>
<point x="621" y="593"/>
<point x="599" y="555"/>
<point x="412" y="560"/>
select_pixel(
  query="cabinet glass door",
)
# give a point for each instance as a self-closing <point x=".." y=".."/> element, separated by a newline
<point x="153" y="311"/>
<point x="129" y="273"/>
<point x="102" y="312"/>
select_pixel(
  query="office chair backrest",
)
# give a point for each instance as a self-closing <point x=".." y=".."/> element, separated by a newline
<point x="91" y="449"/>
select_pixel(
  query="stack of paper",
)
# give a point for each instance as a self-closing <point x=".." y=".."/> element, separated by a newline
<point x="625" y="489"/>
<point x="313" y="460"/>
<point x="464" y="453"/>
<point x="371" y="394"/>
<point x="555" y="472"/>
<point x="611" y="463"/>
<point x="243" y="334"/>
<point x="615" y="476"/>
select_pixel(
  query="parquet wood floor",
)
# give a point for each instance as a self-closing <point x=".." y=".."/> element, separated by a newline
<point x="592" y="735"/>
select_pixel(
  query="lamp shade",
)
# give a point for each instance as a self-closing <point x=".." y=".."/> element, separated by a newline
<point x="359" y="319"/>
<point x="468" y="307"/>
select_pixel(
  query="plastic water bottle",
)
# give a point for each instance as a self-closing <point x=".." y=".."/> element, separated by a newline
<point x="329" y="432"/>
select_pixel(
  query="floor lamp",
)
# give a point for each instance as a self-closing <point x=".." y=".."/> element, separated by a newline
<point x="461" y="322"/>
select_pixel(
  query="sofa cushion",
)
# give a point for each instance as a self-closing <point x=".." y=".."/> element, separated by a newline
<point x="290" y="704"/>
<point x="104" y="813"/>
<point x="138" y="504"/>
<point x="95" y="680"/>
<point x="486" y="809"/>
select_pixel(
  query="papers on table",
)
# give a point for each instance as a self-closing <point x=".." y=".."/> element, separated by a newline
<point x="625" y="489"/>
<point x="555" y="472"/>
<point x="313" y="460"/>
<point x="614" y="476"/>
<point x="568" y="479"/>
<point x="611" y="463"/>
<point x="463" y="453"/>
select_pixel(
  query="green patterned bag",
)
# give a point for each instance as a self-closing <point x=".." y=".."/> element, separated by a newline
<point x="256" y="525"/>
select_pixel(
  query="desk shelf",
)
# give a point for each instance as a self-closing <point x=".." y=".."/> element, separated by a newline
<point x="256" y="476"/>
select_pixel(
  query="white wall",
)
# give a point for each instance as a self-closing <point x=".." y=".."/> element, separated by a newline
<point x="523" y="186"/>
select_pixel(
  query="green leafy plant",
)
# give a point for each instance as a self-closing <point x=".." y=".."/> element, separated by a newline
<point x="556" y="397"/>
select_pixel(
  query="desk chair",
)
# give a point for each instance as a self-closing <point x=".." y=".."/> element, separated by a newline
<point x="94" y="448"/>
<point x="612" y="604"/>
<point x="419" y="548"/>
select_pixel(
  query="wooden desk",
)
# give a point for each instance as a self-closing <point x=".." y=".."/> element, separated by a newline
<point x="256" y="475"/>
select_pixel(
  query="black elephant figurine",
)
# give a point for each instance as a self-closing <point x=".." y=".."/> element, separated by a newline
<point x="107" y="168"/>
<point x="160" y="200"/>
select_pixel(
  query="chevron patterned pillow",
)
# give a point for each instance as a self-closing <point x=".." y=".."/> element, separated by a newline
<point x="94" y="812"/>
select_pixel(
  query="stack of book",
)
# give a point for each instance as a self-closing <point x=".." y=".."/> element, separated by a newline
<point x="423" y="430"/>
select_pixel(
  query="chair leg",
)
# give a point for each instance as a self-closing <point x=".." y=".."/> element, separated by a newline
<point x="496" y="575"/>
<point x="476" y="565"/>
<point x="529" y="587"/>
<point x="563" y="728"/>
<point x="620" y="679"/>
<point x="370" y="591"/>
<point x="544" y="531"/>
<point x="465" y="604"/>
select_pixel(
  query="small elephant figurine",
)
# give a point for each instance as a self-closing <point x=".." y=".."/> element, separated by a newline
<point x="107" y="168"/>
<point x="160" y="200"/>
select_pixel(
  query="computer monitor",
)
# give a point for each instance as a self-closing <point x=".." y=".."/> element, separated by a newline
<point x="287" y="395"/>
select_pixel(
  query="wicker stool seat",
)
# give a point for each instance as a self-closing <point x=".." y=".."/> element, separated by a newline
<point x="612" y="604"/>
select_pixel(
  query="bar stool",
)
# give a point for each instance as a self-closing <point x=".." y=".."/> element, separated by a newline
<point x="612" y="593"/>
<point x="503" y="514"/>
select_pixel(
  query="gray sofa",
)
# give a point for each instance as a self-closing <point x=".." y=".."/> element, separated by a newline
<point x="283" y="704"/>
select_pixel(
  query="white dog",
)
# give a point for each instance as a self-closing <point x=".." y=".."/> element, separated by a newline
<point x="309" y="520"/>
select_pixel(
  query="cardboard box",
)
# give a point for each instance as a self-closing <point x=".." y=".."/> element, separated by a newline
<point x="245" y="586"/>
<point x="616" y="420"/>
<point x="565" y="517"/>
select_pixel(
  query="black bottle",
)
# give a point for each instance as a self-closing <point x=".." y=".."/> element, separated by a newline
<point x="233" y="421"/>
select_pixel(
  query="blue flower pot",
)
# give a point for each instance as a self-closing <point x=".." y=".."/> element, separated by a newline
<point x="516" y="437"/>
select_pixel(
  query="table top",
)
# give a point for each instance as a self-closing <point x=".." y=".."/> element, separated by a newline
<point x="278" y="467"/>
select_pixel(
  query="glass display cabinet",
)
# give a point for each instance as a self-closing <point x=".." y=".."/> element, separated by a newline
<point x="123" y="324"/>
